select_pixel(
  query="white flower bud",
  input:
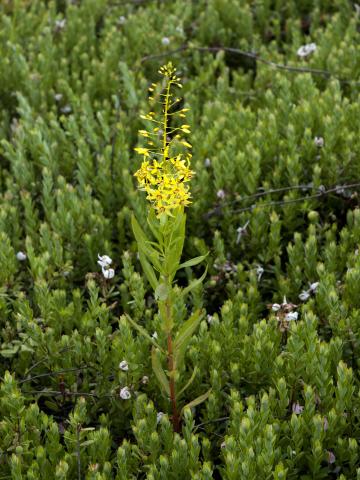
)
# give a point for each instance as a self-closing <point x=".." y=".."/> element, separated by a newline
<point x="165" y="41"/>
<point x="275" y="307"/>
<point x="123" y="365"/>
<point x="319" y="142"/>
<point x="259" y="272"/>
<point x="304" y="296"/>
<point x="108" y="273"/>
<point x="314" y="286"/>
<point x="21" y="256"/>
<point x="305" y="50"/>
<point x="125" y="393"/>
<point x="104" y="260"/>
<point x="159" y="416"/>
<point x="66" y="109"/>
<point x="291" y="316"/>
<point x="297" y="408"/>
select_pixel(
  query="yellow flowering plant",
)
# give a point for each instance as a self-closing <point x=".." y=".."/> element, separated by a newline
<point x="165" y="175"/>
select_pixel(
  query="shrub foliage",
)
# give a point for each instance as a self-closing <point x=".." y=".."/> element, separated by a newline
<point x="283" y="369"/>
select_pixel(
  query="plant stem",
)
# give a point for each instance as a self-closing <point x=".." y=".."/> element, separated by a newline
<point x="171" y="369"/>
<point x="175" y="415"/>
<point x="165" y="121"/>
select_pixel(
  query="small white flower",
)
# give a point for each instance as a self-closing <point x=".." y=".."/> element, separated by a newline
<point x="145" y="380"/>
<point x="165" y="41"/>
<point x="326" y="424"/>
<point x="123" y="365"/>
<point x="209" y="319"/>
<point x="66" y="109"/>
<point x="60" y="24"/>
<point x="154" y="336"/>
<point x="331" y="457"/>
<point x="259" y="272"/>
<point x="159" y="417"/>
<point x="304" y="296"/>
<point x="21" y="256"/>
<point x="291" y="316"/>
<point x="297" y="408"/>
<point x="104" y="260"/>
<point x="108" y="273"/>
<point x="58" y="97"/>
<point x="305" y="50"/>
<point x="220" y="194"/>
<point x="319" y="142"/>
<point x="121" y="20"/>
<point x="207" y="162"/>
<point x="241" y="231"/>
<point x="125" y="393"/>
<point x="314" y="286"/>
<point x="275" y="307"/>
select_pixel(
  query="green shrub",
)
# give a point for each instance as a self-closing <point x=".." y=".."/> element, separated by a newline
<point x="285" y="399"/>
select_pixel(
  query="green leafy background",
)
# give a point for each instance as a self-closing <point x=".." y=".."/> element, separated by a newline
<point x="284" y="402"/>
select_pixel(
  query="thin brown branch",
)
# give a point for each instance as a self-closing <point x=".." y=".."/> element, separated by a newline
<point x="51" y="374"/>
<point x="254" y="56"/>
<point x="67" y="393"/>
<point x="321" y="192"/>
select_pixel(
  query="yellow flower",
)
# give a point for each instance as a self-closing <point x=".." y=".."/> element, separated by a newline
<point x="142" y="151"/>
<point x="165" y="180"/>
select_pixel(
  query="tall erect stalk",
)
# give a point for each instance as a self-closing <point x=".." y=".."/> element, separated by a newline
<point x="172" y="371"/>
<point x="166" y="183"/>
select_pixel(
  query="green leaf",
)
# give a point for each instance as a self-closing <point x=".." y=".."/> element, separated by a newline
<point x="196" y="401"/>
<point x="154" y="226"/>
<point x="9" y="352"/>
<point x="194" y="283"/>
<point x="144" y="244"/>
<point x="175" y="244"/>
<point x="52" y="405"/>
<point x="186" y="331"/>
<point x="143" y="332"/>
<point x="162" y="292"/>
<point x="159" y="371"/>
<point x="149" y="271"/>
<point x="194" y="261"/>
<point x="86" y="443"/>
<point x="189" y="382"/>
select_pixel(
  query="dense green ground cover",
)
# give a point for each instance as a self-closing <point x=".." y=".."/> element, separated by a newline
<point x="285" y="399"/>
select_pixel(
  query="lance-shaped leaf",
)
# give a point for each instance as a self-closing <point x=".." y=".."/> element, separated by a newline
<point x="159" y="371"/>
<point x="193" y="284"/>
<point x="184" y="335"/>
<point x="196" y="401"/>
<point x="174" y="236"/>
<point x="154" y="225"/>
<point x="144" y="244"/>
<point x="143" y="332"/>
<point x="187" y="385"/>
<point x="194" y="261"/>
<point x="148" y="270"/>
